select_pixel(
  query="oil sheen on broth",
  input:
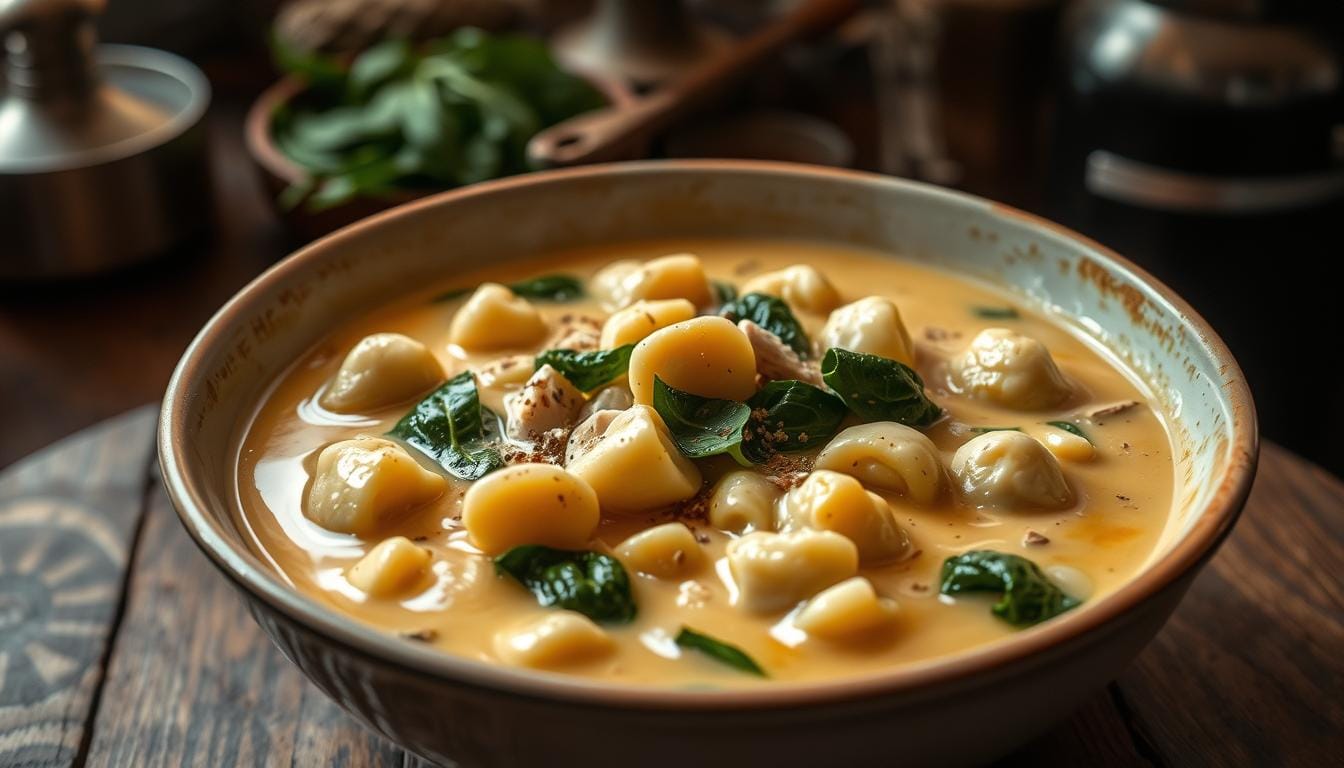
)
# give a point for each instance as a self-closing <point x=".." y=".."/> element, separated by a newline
<point x="863" y="542"/>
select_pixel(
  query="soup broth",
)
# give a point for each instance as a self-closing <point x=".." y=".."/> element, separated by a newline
<point x="1080" y="420"/>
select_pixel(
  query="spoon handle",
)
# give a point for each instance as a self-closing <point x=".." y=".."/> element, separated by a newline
<point x="610" y="133"/>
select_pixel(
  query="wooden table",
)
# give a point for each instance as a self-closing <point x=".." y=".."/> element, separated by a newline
<point x="121" y="645"/>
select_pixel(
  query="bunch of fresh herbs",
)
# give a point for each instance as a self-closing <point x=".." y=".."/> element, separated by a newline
<point x="455" y="111"/>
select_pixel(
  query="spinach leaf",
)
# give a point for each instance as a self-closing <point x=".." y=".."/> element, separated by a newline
<point x="719" y="651"/>
<point x="1029" y="596"/>
<point x="1071" y="428"/>
<point x="447" y="426"/>
<point x="723" y="290"/>
<point x="789" y="416"/>
<point x="983" y="430"/>
<point x="591" y="583"/>
<point x="558" y="288"/>
<point x="878" y="388"/>
<point x="773" y="315"/>
<point x="549" y="288"/>
<point x="702" y="426"/>
<point x="995" y="313"/>
<point x="588" y="370"/>
<point x="454" y="111"/>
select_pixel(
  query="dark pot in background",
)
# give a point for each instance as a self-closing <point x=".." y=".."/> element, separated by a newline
<point x="1206" y="139"/>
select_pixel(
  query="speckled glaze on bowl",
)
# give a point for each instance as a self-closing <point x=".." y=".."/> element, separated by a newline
<point x="961" y="710"/>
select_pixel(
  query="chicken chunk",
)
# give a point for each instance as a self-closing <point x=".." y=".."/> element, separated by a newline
<point x="547" y="401"/>
<point x="775" y="359"/>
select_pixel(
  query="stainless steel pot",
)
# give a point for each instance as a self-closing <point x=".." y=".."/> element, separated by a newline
<point x="102" y="148"/>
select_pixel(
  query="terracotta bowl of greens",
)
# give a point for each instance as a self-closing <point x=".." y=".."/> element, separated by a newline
<point x="711" y="463"/>
<point x="336" y="140"/>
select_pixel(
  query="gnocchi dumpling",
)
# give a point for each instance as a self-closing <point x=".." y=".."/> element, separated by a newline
<point x="1009" y="369"/>
<point x="635" y="466"/>
<point x="529" y="504"/>
<point x="801" y="286"/>
<point x="667" y="551"/>
<point x="679" y="276"/>
<point x="706" y="356"/>
<point x="774" y="571"/>
<point x="1066" y="446"/>
<point x="394" y="567"/>
<point x="872" y="326"/>
<point x="362" y="484"/>
<point x="743" y="501"/>
<point x="888" y="456"/>
<point x="830" y="501"/>
<point x="381" y="370"/>
<point x="495" y="318"/>
<point x="849" y="610"/>
<point x="1010" y="470"/>
<point x="632" y="324"/>
<point x="554" y="641"/>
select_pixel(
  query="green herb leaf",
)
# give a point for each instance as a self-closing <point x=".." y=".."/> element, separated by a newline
<point x="1071" y="428"/>
<point x="995" y="313"/>
<point x="377" y="65"/>
<point x="702" y="426"/>
<point x="591" y="583"/>
<point x="549" y="288"/>
<point x="1029" y="596"/>
<point x="789" y="416"/>
<point x="447" y="426"/>
<point x="724" y="291"/>
<point x="457" y="111"/>
<point x="773" y="315"/>
<point x="588" y="370"/>
<point x="878" y="388"/>
<point x="719" y="651"/>
<point x="559" y="288"/>
<point x="983" y="430"/>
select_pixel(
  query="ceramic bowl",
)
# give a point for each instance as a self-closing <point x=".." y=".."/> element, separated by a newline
<point x="960" y="710"/>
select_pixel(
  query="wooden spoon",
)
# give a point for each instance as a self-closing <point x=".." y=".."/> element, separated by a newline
<point x="612" y="133"/>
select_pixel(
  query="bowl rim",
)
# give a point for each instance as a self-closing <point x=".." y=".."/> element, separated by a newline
<point x="246" y="570"/>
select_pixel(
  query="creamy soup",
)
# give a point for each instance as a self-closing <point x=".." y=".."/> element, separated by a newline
<point x="716" y="463"/>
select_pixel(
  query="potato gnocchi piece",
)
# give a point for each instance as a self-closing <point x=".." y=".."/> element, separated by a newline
<point x="742" y="502"/>
<point x="494" y="318"/>
<point x="555" y="641"/>
<point x="393" y="568"/>
<point x="361" y="485"/>
<point x="849" y="610"/>
<point x="547" y="401"/>
<point x="1066" y="446"/>
<point x="801" y="286"/>
<point x="1010" y="471"/>
<point x="872" y="326"/>
<point x="889" y="456"/>
<point x="1009" y="369"/>
<point x="381" y="370"/>
<point x="529" y="504"/>
<point x="830" y="501"/>
<point x="632" y="324"/>
<point x="706" y="356"/>
<point x="679" y="276"/>
<point x="635" y="466"/>
<point x="774" y="571"/>
<point x="667" y="551"/>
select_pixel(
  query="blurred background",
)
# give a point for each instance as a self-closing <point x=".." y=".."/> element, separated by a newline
<point x="157" y="154"/>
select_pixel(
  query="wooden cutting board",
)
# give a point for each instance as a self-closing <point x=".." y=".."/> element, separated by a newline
<point x="120" y="645"/>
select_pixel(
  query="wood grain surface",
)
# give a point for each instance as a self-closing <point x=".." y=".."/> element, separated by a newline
<point x="120" y="645"/>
